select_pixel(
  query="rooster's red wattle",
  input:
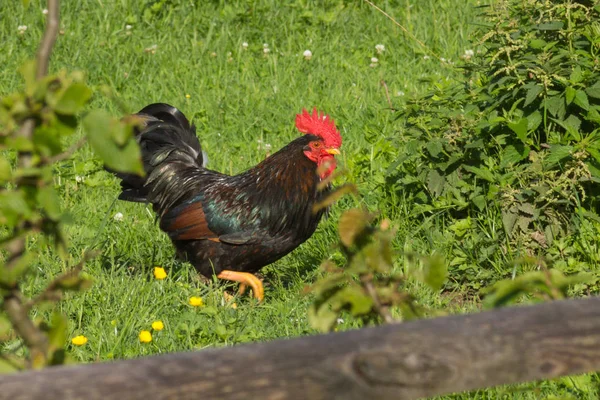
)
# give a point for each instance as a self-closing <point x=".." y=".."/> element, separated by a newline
<point x="231" y="226"/>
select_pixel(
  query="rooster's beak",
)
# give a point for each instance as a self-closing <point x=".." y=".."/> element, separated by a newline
<point x="332" y="151"/>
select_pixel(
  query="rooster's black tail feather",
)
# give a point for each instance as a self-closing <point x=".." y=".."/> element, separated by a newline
<point x="168" y="143"/>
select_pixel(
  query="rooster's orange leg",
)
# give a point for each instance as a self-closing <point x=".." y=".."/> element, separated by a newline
<point x="245" y="279"/>
<point x="242" y="288"/>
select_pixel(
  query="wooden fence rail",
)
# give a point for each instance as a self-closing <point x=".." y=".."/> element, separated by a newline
<point x="401" y="361"/>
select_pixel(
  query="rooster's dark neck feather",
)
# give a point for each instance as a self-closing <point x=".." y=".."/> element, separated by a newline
<point x="278" y="193"/>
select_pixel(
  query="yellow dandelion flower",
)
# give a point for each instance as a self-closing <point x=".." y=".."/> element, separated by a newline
<point x="187" y="96"/>
<point x="196" y="301"/>
<point x="158" y="325"/>
<point x="145" y="337"/>
<point x="79" y="340"/>
<point x="160" y="273"/>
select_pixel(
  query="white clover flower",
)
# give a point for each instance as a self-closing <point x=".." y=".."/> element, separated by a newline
<point x="151" y="49"/>
<point x="380" y="48"/>
<point x="374" y="60"/>
<point x="21" y="29"/>
<point x="426" y="57"/>
<point x="340" y="321"/>
<point x="307" y="54"/>
<point x="118" y="217"/>
<point x="213" y="54"/>
<point x="78" y="179"/>
<point x="265" y="45"/>
<point x="268" y="146"/>
<point x="128" y="27"/>
<point x="400" y="93"/>
<point x="442" y="59"/>
<point x="45" y="11"/>
<point x="266" y="50"/>
<point x="245" y="45"/>
<point x="468" y="54"/>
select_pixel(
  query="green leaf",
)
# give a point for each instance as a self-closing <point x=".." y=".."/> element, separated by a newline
<point x="481" y="173"/>
<point x="556" y="106"/>
<point x="57" y="336"/>
<point x="537" y="43"/>
<point x="434" y="147"/>
<point x="528" y="209"/>
<point x="557" y="152"/>
<point x="5" y="171"/>
<point x="321" y="318"/>
<point x="19" y="143"/>
<point x="50" y="202"/>
<point x="479" y="202"/>
<point x="520" y="128"/>
<point x="28" y="71"/>
<point x="551" y="26"/>
<point x="461" y="227"/>
<point x="514" y="154"/>
<point x="9" y="365"/>
<point x="576" y="75"/>
<point x="532" y="94"/>
<point x="359" y="302"/>
<point x="9" y="277"/>
<point x="594" y="153"/>
<point x="435" y="271"/>
<point x="100" y="128"/>
<point x="571" y="125"/>
<point x="509" y="218"/>
<point x="25" y="3"/>
<point x="353" y="223"/>
<point x="594" y="91"/>
<point x="435" y="183"/>
<point x="534" y="120"/>
<point x="569" y="94"/>
<point x="13" y="208"/>
<point x="581" y="100"/>
<point x="73" y="99"/>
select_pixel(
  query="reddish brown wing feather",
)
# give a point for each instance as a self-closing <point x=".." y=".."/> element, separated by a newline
<point x="190" y="223"/>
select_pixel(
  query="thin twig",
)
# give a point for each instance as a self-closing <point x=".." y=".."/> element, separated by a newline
<point x="67" y="153"/>
<point x="387" y="95"/>
<point x="45" y="49"/>
<point x="380" y="308"/>
<point x="13" y="303"/>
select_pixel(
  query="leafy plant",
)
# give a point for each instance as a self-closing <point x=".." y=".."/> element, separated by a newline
<point x="34" y="123"/>
<point x="545" y="284"/>
<point x="368" y="286"/>
<point x="514" y="147"/>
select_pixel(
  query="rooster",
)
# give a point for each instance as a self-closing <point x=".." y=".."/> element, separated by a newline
<point x="231" y="226"/>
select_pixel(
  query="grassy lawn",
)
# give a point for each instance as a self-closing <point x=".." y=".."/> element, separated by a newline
<point x="237" y="70"/>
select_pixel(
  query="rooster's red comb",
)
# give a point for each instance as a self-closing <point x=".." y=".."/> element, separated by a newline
<point x="320" y="125"/>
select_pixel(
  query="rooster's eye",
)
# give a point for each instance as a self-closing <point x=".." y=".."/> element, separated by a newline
<point x="316" y="145"/>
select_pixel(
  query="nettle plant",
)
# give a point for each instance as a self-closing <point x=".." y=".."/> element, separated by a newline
<point x="509" y="158"/>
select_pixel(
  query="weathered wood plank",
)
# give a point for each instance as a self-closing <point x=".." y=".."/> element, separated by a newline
<point x="403" y="361"/>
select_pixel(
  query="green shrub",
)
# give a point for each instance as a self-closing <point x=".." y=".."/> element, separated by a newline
<point x="508" y="160"/>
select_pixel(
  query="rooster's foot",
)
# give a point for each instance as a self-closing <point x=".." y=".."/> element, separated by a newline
<point x="245" y="279"/>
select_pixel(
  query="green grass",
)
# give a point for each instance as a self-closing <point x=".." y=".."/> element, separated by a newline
<point x="239" y="100"/>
